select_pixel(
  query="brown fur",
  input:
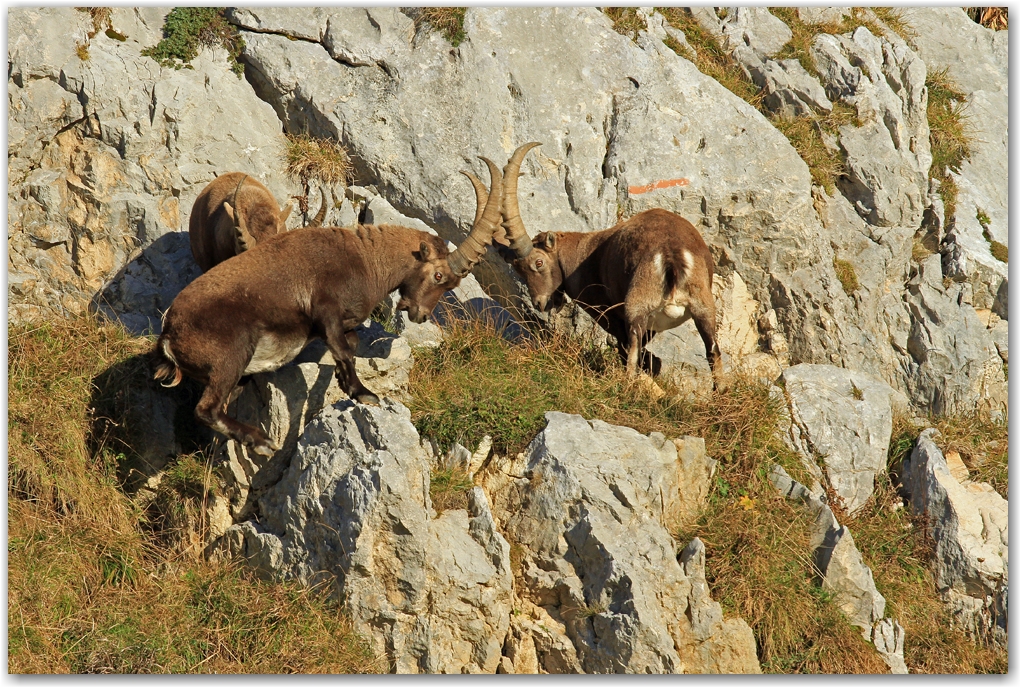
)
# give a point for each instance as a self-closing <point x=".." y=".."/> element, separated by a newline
<point x="259" y="309"/>
<point x="211" y="229"/>
<point x="613" y="275"/>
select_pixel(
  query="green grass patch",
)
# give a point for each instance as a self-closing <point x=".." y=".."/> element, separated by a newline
<point x="448" y="21"/>
<point x="92" y="584"/>
<point x="186" y="29"/>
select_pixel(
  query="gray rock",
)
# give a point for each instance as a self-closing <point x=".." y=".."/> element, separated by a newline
<point x="790" y="90"/>
<point x="598" y="558"/>
<point x="822" y="15"/>
<point x="754" y="27"/>
<point x="843" y="420"/>
<point x="954" y="366"/>
<point x="977" y="60"/>
<point x="888" y="637"/>
<point x="431" y="593"/>
<point x="888" y="156"/>
<point x="970" y="525"/>
<point x="852" y="584"/>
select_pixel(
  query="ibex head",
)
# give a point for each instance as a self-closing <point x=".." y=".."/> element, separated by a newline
<point x="439" y="269"/>
<point x="535" y="260"/>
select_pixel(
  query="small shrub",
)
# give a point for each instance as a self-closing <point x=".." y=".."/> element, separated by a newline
<point x="847" y="275"/>
<point x="318" y="159"/>
<point x="995" y="18"/>
<point x="82" y="51"/>
<point x="186" y="29"/>
<point x="449" y="21"/>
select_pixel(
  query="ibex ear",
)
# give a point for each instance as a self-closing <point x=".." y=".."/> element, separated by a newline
<point x="426" y="251"/>
<point x="285" y="213"/>
<point x="550" y="239"/>
<point x="230" y="212"/>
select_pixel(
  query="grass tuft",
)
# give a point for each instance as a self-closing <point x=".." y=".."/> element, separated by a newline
<point x="449" y="21"/>
<point x="318" y="159"/>
<point x="626" y="21"/>
<point x="847" y="275"/>
<point x="950" y="134"/>
<point x="449" y="488"/>
<point x="186" y="29"/>
<point x="995" y="18"/>
<point x="92" y="587"/>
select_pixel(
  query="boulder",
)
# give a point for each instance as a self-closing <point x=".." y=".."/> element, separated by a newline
<point x="843" y="421"/>
<point x="432" y="593"/>
<point x="969" y="522"/>
<point x="588" y="517"/>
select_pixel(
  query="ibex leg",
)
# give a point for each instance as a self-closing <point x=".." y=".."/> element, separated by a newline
<point x="339" y="343"/>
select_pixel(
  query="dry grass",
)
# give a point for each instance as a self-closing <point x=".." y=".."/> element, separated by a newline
<point x="448" y="489"/>
<point x="100" y="18"/>
<point x="983" y="445"/>
<point x="847" y="275"/>
<point x="711" y="60"/>
<point x="96" y="584"/>
<point x="449" y="21"/>
<point x="625" y="20"/>
<point x="799" y="46"/>
<point x="950" y="134"/>
<point x="996" y="18"/>
<point x="318" y="159"/>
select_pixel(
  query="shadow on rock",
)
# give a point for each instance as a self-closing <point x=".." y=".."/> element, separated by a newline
<point x="147" y="424"/>
<point x="145" y="287"/>
<point x="483" y="310"/>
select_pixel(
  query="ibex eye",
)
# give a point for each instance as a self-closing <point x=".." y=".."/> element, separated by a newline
<point x="539" y="263"/>
<point x="439" y="277"/>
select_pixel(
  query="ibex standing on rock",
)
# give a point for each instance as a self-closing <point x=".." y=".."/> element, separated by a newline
<point x="234" y="213"/>
<point x="648" y="274"/>
<point x="257" y="311"/>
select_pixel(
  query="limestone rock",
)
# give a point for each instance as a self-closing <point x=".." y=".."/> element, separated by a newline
<point x="970" y="525"/>
<point x="107" y="157"/>
<point x="597" y="556"/>
<point x="431" y="593"/>
<point x="843" y="420"/>
<point x="888" y="156"/>
<point x="977" y="60"/>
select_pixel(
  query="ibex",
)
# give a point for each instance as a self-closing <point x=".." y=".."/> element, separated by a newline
<point x="257" y="311"/>
<point x="648" y="274"/>
<point x="232" y="214"/>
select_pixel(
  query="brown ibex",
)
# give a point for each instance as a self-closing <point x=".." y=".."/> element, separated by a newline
<point x="648" y="274"/>
<point x="257" y="311"/>
<point x="232" y="214"/>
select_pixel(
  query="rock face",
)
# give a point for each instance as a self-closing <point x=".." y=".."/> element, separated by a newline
<point x="970" y="525"/>
<point x="432" y="593"/>
<point x="977" y="60"/>
<point x="597" y="559"/>
<point x="107" y="157"/>
<point x="843" y="421"/>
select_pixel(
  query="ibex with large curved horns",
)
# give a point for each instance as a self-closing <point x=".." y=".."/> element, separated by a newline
<point x="257" y="311"/>
<point x="232" y="214"/>
<point x="648" y="274"/>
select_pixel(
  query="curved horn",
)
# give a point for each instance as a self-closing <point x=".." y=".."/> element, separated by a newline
<point x="233" y="201"/>
<point x="481" y="195"/>
<point x="321" y="215"/>
<point x="471" y="250"/>
<point x="520" y="242"/>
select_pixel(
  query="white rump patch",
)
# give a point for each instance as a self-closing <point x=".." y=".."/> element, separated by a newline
<point x="688" y="261"/>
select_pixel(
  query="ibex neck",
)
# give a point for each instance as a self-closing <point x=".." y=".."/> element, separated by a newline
<point x="579" y="258"/>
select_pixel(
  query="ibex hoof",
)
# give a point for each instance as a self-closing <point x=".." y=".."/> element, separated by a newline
<point x="368" y="398"/>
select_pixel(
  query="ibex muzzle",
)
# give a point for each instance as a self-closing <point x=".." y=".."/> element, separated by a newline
<point x="257" y="311"/>
<point x="648" y="274"/>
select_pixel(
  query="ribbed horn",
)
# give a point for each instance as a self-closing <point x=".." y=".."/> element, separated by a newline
<point x="237" y="215"/>
<point x="317" y="220"/>
<point x="518" y="237"/>
<point x="481" y="195"/>
<point x="471" y="250"/>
